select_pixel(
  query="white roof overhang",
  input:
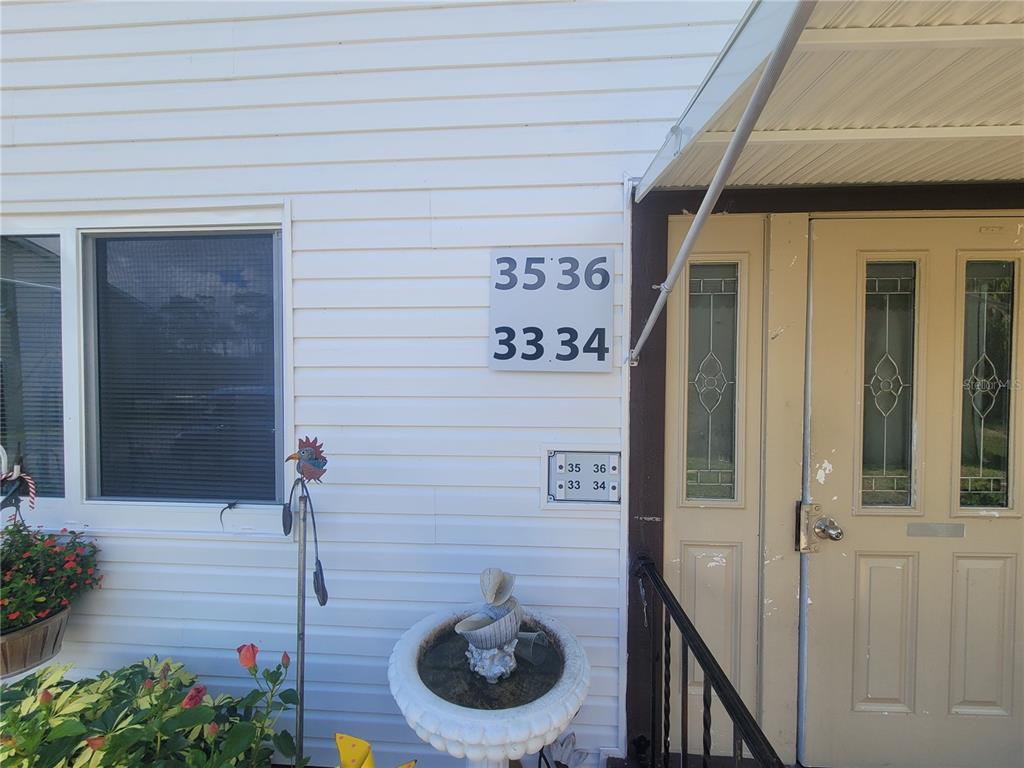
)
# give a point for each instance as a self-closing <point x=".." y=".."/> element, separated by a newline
<point x="875" y="92"/>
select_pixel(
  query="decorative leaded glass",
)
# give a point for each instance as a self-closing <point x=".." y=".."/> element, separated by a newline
<point x="712" y="325"/>
<point x="985" y="411"/>
<point x="888" y="384"/>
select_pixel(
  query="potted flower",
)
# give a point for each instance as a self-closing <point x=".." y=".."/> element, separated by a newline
<point x="42" y="574"/>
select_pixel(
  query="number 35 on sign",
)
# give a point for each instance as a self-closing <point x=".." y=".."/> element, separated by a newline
<point x="551" y="309"/>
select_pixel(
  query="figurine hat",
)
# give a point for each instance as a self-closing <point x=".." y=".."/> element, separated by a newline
<point x="496" y="585"/>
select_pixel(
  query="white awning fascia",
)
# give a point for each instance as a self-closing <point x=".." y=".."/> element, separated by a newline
<point x="755" y="37"/>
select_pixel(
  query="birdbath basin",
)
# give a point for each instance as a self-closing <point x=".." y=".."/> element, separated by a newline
<point x="457" y="711"/>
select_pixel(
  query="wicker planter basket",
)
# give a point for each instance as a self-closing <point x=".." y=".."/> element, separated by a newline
<point x="32" y="645"/>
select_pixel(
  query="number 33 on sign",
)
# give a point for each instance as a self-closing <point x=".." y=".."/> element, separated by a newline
<point x="551" y="309"/>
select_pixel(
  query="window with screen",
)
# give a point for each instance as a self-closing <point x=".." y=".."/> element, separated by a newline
<point x="185" y="349"/>
<point x="31" y="388"/>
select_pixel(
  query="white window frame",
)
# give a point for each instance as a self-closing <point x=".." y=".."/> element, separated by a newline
<point x="157" y="517"/>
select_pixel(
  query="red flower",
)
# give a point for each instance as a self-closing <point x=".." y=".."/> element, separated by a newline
<point x="79" y="550"/>
<point x="73" y="585"/>
<point x="194" y="697"/>
<point x="212" y="729"/>
<point x="95" y="742"/>
<point x="49" y="542"/>
<point x="286" y="660"/>
<point x="64" y="602"/>
<point x="247" y="655"/>
<point x="45" y="697"/>
<point x="69" y="564"/>
<point x="52" y="568"/>
<point x="147" y="684"/>
<point x="90" y="571"/>
<point x="43" y="614"/>
<point x="63" y="530"/>
<point x="26" y="555"/>
<point x="13" y="615"/>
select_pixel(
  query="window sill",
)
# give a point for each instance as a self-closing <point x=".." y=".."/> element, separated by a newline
<point x="261" y="522"/>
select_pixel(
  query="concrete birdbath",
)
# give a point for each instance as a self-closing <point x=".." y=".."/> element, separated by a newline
<point x="443" y="683"/>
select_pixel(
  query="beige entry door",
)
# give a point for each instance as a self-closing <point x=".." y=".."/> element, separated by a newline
<point x="712" y="455"/>
<point x="915" y="651"/>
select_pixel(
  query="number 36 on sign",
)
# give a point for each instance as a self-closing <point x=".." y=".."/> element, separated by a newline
<point x="551" y="309"/>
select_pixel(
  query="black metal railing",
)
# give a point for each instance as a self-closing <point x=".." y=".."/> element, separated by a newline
<point x="745" y="730"/>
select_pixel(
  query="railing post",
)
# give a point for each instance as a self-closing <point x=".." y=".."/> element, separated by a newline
<point x="666" y="712"/>
<point x="706" y="752"/>
<point x="684" y="709"/>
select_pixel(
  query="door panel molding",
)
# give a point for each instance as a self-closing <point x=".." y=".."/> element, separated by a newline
<point x="885" y="661"/>
<point x="983" y="629"/>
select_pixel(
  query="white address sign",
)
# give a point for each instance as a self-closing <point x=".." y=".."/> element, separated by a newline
<point x="551" y="309"/>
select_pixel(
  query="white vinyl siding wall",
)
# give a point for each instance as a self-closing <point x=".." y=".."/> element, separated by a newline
<point x="406" y="141"/>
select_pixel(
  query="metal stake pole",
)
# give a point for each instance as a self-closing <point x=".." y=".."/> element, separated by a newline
<point x="300" y="650"/>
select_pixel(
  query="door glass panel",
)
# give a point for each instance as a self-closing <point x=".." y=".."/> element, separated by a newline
<point x="985" y="413"/>
<point x="712" y="325"/>
<point x="888" y="384"/>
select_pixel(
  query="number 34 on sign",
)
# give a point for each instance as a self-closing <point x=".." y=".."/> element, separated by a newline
<point x="551" y="309"/>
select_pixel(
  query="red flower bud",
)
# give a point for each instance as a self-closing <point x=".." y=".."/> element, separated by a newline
<point x="64" y="602"/>
<point x="147" y="684"/>
<point x="43" y="614"/>
<point x="286" y="660"/>
<point x="212" y="729"/>
<point x="95" y="742"/>
<point x="194" y="697"/>
<point x="45" y="697"/>
<point x="247" y="655"/>
<point x="13" y="615"/>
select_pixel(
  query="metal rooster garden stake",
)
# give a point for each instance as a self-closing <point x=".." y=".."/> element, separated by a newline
<point x="310" y="466"/>
<point x="311" y="463"/>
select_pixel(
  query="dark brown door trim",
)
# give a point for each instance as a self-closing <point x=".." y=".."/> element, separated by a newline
<point x="647" y="382"/>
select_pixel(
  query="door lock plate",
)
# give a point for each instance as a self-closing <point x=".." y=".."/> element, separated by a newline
<point x="806" y="514"/>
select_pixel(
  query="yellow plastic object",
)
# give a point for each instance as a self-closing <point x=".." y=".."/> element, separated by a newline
<point x="356" y="753"/>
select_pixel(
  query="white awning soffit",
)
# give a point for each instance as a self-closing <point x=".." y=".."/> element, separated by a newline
<point x="875" y="92"/>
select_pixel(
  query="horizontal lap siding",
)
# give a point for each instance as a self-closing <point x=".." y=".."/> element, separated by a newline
<point x="410" y="140"/>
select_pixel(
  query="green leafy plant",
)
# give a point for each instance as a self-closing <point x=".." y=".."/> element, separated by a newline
<point x="42" y="573"/>
<point x="151" y="713"/>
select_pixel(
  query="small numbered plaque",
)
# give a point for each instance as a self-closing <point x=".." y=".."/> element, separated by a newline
<point x="583" y="476"/>
<point x="551" y="309"/>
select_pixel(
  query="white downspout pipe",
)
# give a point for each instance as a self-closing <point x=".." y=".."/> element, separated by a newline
<point x="763" y="89"/>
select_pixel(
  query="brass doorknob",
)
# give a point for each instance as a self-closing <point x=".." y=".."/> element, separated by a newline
<point x="827" y="528"/>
